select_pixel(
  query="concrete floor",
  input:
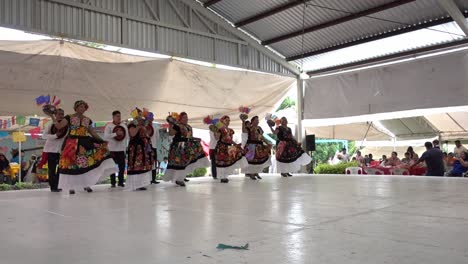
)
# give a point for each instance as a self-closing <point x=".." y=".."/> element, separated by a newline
<point x="303" y="219"/>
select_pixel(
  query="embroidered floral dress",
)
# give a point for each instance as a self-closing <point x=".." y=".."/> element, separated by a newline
<point x="229" y="155"/>
<point x="185" y="154"/>
<point x="140" y="159"/>
<point x="256" y="152"/>
<point x="84" y="159"/>
<point x="289" y="154"/>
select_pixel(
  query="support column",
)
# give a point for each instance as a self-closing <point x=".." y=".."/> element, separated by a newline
<point x="300" y="110"/>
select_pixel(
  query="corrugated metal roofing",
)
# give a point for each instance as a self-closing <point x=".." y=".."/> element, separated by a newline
<point x="321" y="11"/>
<point x="392" y="45"/>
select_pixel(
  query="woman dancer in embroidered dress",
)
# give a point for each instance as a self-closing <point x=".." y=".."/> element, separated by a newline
<point x="140" y="155"/>
<point x="185" y="153"/>
<point x="229" y="155"/>
<point x="257" y="150"/>
<point x="85" y="157"/>
<point x="289" y="154"/>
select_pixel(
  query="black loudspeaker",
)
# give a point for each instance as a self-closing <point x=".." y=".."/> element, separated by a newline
<point x="310" y="142"/>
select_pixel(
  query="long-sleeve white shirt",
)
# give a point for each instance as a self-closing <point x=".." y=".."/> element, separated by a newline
<point x="213" y="140"/>
<point x="52" y="144"/>
<point x="113" y="144"/>
<point x="155" y="138"/>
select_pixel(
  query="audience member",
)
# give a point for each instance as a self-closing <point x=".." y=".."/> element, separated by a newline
<point x="413" y="155"/>
<point x="459" y="148"/>
<point x="460" y="165"/>
<point x="407" y="159"/>
<point x="393" y="160"/>
<point x="434" y="161"/>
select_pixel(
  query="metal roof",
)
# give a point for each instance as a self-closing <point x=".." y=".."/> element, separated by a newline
<point x="299" y="29"/>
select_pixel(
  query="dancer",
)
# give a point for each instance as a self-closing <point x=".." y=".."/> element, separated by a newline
<point x="140" y="155"/>
<point x="54" y="141"/>
<point x="257" y="150"/>
<point x="116" y="135"/>
<point x="185" y="153"/>
<point x="84" y="159"/>
<point x="213" y="143"/>
<point x="229" y="155"/>
<point x="289" y="154"/>
<point x="154" y="136"/>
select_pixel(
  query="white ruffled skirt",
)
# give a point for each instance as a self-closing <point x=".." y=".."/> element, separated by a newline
<point x="89" y="178"/>
<point x="294" y="166"/>
<point x="135" y="181"/>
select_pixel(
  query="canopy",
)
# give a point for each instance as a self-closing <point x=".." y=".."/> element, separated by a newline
<point x="111" y="81"/>
<point x="447" y="123"/>
<point x="425" y="83"/>
<point x="354" y="131"/>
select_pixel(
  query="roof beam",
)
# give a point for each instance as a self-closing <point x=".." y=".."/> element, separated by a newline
<point x="400" y="55"/>
<point x="250" y="41"/>
<point x="337" y="21"/>
<point x="396" y="32"/>
<point x="210" y="3"/>
<point x="268" y="13"/>
<point x="455" y="13"/>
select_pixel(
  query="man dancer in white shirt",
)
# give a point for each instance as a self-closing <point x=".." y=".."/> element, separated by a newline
<point x="52" y="148"/>
<point x="213" y="143"/>
<point x="117" y="144"/>
<point x="154" y="141"/>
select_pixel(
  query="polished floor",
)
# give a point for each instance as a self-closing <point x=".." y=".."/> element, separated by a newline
<point x="302" y="219"/>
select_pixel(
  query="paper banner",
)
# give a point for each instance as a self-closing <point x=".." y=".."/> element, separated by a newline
<point x="34" y="122"/>
<point x="13" y="120"/>
<point x="19" y="137"/>
<point x="5" y="124"/>
<point x="4" y="149"/>
<point x="35" y="132"/>
<point x="3" y="134"/>
<point x="21" y="120"/>
<point x="8" y="123"/>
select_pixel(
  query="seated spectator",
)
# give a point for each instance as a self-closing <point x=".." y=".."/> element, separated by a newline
<point x="460" y="165"/>
<point x="393" y="160"/>
<point x="366" y="159"/>
<point x="360" y="159"/>
<point x="407" y="159"/>
<point x="413" y="155"/>
<point x="450" y="159"/>
<point x="383" y="160"/>
<point x="4" y="168"/>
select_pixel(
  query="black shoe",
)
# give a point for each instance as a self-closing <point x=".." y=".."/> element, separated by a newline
<point x="88" y="189"/>
<point x="289" y="174"/>
<point x="284" y="174"/>
<point x="112" y="185"/>
<point x="154" y="182"/>
<point x="180" y="183"/>
<point x="71" y="192"/>
<point x="258" y="176"/>
<point x="122" y="185"/>
<point x="186" y="180"/>
<point x="142" y="189"/>
<point x="56" y="190"/>
<point x="252" y="176"/>
<point x="215" y="178"/>
<point x="224" y="180"/>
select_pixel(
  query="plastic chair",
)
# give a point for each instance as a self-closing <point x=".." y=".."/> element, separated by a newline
<point x="354" y="170"/>
<point x="374" y="171"/>
<point x="400" y="171"/>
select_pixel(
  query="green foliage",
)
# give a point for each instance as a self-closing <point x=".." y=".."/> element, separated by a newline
<point x="323" y="151"/>
<point x="287" y="103"/>
<point x="22" y="186"/>
<point x="334" y="169"/>
<point x="5" y="187"/>
<point x="200" y="172"/>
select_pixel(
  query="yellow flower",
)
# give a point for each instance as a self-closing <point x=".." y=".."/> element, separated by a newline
<point x="90" y="161"/>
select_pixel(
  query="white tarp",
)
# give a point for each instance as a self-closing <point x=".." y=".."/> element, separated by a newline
<point x="439" y="81"/>
<point x="355" y="131"/>
<point x="111" y="81"/>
